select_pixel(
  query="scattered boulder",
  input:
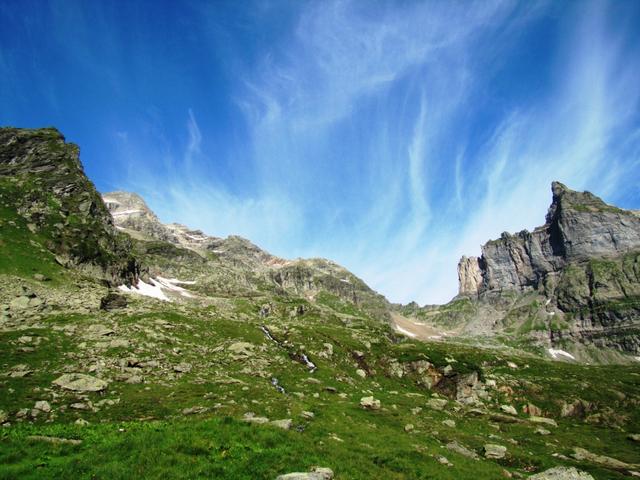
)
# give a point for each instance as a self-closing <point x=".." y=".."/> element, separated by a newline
<point x="532" y="410"/>
<point x="284" y="424"/>
<point x="561" y="473"/>
<point x="3" y="416"/>
<point x="581" y="454"/>
<point x="56" y="440"/>
<point x="370" y="403"/>
<point x="509" y="409"/>
<point x="317" y="473"/>
<point x="251" y="418"/>
<point x="113" y="301"/>
<point x="361" y="373"/>
<point x="462" y="450"/>
<point x="408" y="427"/>
<point x="194" y="410"/>
<point x="494" y="451"/>
<point x="449" y="423"/>
<point x="97" y="331"/>
<point x="634" y="437"/>
<point x="543" y="420"/>
<point x="579" y="408"/>
<point x="24" y="302"/>
<point x="182" y="367"/>
<point x="307" y="415"/>
<point x="79" y="382"/>
<point x="43" y="406"/>
<point x="469" y="389"/>
<point x="20" y="371"/>
<point x="542" y="431"/>
<point x="437" y="403"/>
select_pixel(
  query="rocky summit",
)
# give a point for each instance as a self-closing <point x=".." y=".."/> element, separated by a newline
<point x="137" y="349"/>
<point x="572" y="284"/>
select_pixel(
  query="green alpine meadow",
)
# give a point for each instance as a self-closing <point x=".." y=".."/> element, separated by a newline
<point x="319" y="240"/>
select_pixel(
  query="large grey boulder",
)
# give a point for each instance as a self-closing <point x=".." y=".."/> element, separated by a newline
<point x="494" y="451"/>
<point x="79" y="382"/>
<point x="370" y="403"/>
<point x="462" y="450"/>
<point x="317" y="473"/>
<point x="561" y="473"/>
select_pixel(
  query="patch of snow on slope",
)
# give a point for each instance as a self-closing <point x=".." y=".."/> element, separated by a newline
<point x="172" y="284"/>
<point x="146" y="289"/>
<point x="556" y="353"/>
<point x="405" y="332"/>
<point x="157" y="287"/>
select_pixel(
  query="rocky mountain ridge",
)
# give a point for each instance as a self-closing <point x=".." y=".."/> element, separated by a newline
<point x="234" y="264"/>
<point x="44" y="183"/>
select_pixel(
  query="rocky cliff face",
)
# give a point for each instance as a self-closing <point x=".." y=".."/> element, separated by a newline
<point x="579" y="226"/>
<point x="576" y="278"/>
<point x="42" y="180"/>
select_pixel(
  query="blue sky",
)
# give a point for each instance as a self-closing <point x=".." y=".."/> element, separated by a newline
<point x="392" y="137"/>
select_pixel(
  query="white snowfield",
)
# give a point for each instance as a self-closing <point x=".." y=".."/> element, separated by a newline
<point x="406" y="332"/>
<point x="157" y="287"/>
<point x="556" y="353"/>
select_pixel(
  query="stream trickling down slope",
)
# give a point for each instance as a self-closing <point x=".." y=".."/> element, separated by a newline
<point x="298" y="357"/>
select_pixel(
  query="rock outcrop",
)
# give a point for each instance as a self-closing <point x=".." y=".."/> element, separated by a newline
<point x="579" y="226"/>
<point x="42" y="180"/>
<point x="576" y="278"/>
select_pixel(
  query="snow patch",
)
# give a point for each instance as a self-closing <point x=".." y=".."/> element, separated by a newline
<point x="556" y="353"/>
<point x="110" y="200"/>
<point x="146" y="289"/>
<point x="157" y="287"/>
<point x="406" y="332"/>
<point x="172" y="284"/>
<point x="345" y="280"/>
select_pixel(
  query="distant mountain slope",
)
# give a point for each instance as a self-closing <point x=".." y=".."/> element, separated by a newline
<point x="574" y="280"/>
<point x="233" y="265"/>
<point x="44" y="191"/>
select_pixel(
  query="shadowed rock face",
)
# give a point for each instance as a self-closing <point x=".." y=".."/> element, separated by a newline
<point x="43" y="180"/>
<point x="579" y="226"/>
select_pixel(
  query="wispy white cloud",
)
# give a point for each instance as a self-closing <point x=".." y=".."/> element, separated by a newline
<point x="389" y="139"/>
